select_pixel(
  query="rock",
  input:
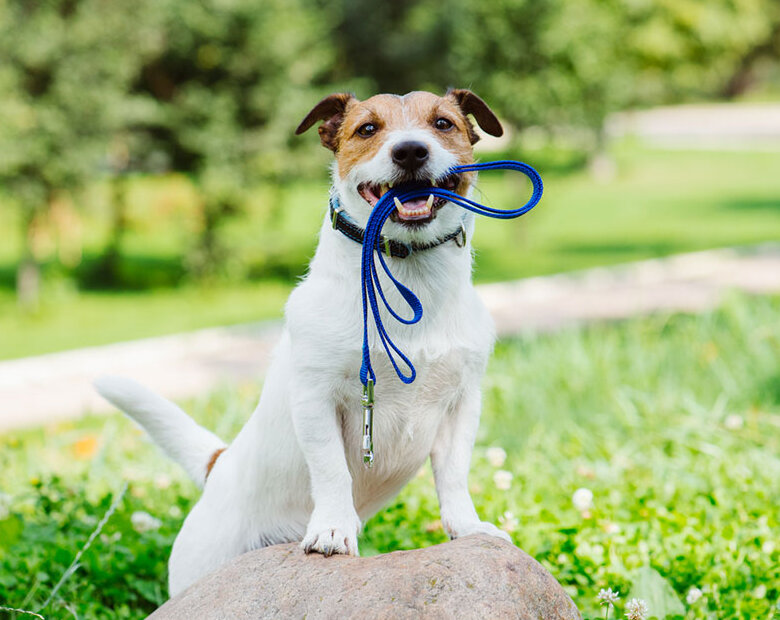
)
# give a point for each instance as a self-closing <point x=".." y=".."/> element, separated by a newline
<point x="472" y="577"/>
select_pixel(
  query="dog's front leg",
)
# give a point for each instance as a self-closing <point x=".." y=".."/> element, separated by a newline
<point x="451" y="458"/>
<point x="334" y="523"/>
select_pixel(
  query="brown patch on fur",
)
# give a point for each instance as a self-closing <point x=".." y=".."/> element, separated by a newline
<point x="469" y="103"/>
<point x="331" y="110"/>
<point x="212" y="461"/>
<point x="343" y="115"/>
<point x="391" y="112"/>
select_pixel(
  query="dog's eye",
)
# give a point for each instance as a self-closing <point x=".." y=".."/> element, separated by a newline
<point x="443" y="124"/>
<point x="367" y="130"/>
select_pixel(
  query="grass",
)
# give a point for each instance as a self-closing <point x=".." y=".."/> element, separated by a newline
<point x="670" y="421"/>
<point x="660" y="202"/>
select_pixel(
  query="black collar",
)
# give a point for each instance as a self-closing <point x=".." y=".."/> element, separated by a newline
<point x="346" y="226"/>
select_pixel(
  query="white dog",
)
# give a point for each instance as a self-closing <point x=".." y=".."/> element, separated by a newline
<point x="295" y="471"/>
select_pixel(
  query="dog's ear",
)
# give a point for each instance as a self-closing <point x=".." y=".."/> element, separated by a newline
<point x="331" y="110"/>
<point x="469" y="103"/>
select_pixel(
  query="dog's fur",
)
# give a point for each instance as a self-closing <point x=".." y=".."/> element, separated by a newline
<point x="295" y="472"/>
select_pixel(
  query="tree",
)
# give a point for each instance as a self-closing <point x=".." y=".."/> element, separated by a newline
<point x="64" y="70"/>
<point x="232" y="80"/>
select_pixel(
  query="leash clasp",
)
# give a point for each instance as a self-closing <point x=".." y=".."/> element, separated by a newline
<point x="368" y="423"/>
<point x="460" y="240"/>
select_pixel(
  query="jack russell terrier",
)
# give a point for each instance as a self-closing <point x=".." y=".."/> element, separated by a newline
<point x="295" y="471"/>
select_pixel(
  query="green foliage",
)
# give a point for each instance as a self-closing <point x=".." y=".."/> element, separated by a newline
<point x="214" y="89"/>
<point x="658" y="593"/>
<point x="667" y="420"/>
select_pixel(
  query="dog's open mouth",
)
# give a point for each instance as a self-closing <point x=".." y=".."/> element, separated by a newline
<point x="412" y="212"/>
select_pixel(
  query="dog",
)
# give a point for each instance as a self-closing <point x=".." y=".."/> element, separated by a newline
<point x="295" y="471"/>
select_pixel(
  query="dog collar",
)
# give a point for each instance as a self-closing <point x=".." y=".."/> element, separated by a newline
<point x="390" y="247"/>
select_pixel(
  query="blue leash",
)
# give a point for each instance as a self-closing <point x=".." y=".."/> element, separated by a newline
<point x="370" y="278"/>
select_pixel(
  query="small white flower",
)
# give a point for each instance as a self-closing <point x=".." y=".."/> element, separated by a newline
<point x="144" y="522"/>
<point x="503" y="479"/>
<point x="162" y="481"/>
<point x="496" y="456"/>
<point x="174" y="511"/>
<point x="5" y="506"/>
<point x="734" y="422"/>
<point x="636" y="609"/>
<point x="111" y="538"/>
<point x="760" y="591"/>
<point x="611" y="528"/>
<point x="508" y="522"/>
<point x="582" y="499"/>
<point x="694" y="594"/>
<point x="608" y="597"/>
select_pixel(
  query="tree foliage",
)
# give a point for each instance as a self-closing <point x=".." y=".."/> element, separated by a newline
<point x="214" y="88"/>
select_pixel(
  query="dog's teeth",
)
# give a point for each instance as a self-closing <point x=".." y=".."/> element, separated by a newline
<point x="398" y="204"/>
<point x="435" y="183"/>
<point x="383" y="189"/>
<point x="390" y="185"/>
<point x="429" y="204"/>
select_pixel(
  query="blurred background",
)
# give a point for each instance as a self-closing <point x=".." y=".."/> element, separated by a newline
<point x="151" y="185"/>
<point x="150" y="181"/>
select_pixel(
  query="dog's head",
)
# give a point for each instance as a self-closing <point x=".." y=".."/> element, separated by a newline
<point x="391" y="140"/>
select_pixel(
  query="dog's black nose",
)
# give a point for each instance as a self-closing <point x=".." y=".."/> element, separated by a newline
<point x="410" y="155"/>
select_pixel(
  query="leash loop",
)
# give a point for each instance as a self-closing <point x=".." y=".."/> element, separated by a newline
<point x="371" y="248"/>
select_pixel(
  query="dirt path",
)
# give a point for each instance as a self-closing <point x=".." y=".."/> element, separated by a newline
<point x="48" y="388"/>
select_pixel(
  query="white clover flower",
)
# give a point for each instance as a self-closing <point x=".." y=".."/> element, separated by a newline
<point x="5" y="506"/>
<point x="636" y="609"/>
<point x="582" y="499"/>
<point x="496" y="456"/>
<point x="608" y="597"/>
<point x="760" y="591"/>
<point x="611" y="528"/>
<point x="162" y="481"/>
<point x="144" y="522"/>
<point x="174" y="511"/>
<point x="694" y="594"/>
<point x="111" y="538"/>
<point x="503" y="479"/>
<point x="508" y="522"/>
<point x="734" y="422"/>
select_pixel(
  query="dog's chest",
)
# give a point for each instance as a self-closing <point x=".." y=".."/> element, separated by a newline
<point x="406" y="420"/>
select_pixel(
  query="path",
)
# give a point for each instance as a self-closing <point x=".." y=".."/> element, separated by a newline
<point x="48" y="388"/>
<point x="753" y="126"/>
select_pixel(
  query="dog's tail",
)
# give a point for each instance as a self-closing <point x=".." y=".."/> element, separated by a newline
<point x="177" y="434"/>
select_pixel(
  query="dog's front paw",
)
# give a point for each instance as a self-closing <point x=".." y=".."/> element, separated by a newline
<point x="334" y="538"/>
<point x="475" y="527"/>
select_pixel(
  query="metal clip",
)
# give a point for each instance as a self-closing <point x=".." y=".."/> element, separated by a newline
<point x="336" y="212"/>
<point x="368" y="423"/>
<point x="460" y="240"/>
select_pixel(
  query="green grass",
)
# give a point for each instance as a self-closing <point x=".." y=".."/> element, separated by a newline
<point x="671" y="421"/>
<point x="659" y="203"/>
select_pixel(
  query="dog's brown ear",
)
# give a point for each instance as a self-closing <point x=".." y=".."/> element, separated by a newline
<point x="331" y="110"/>
<point x="469" y="103"/>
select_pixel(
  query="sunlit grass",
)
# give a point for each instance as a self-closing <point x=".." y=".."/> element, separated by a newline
<point x="671" y="422"/>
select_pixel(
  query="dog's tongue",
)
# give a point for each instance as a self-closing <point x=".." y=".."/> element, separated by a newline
<point x="417" y="209"/>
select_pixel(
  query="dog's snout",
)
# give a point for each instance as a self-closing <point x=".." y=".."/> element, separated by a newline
<point x="410" y="155"/>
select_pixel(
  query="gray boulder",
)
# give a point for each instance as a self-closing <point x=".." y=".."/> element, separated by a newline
<point x="472" y="577"/>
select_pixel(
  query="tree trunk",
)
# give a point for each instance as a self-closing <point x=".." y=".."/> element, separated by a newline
<point x="28" y="272"/>
<point x="108" y="269"/>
